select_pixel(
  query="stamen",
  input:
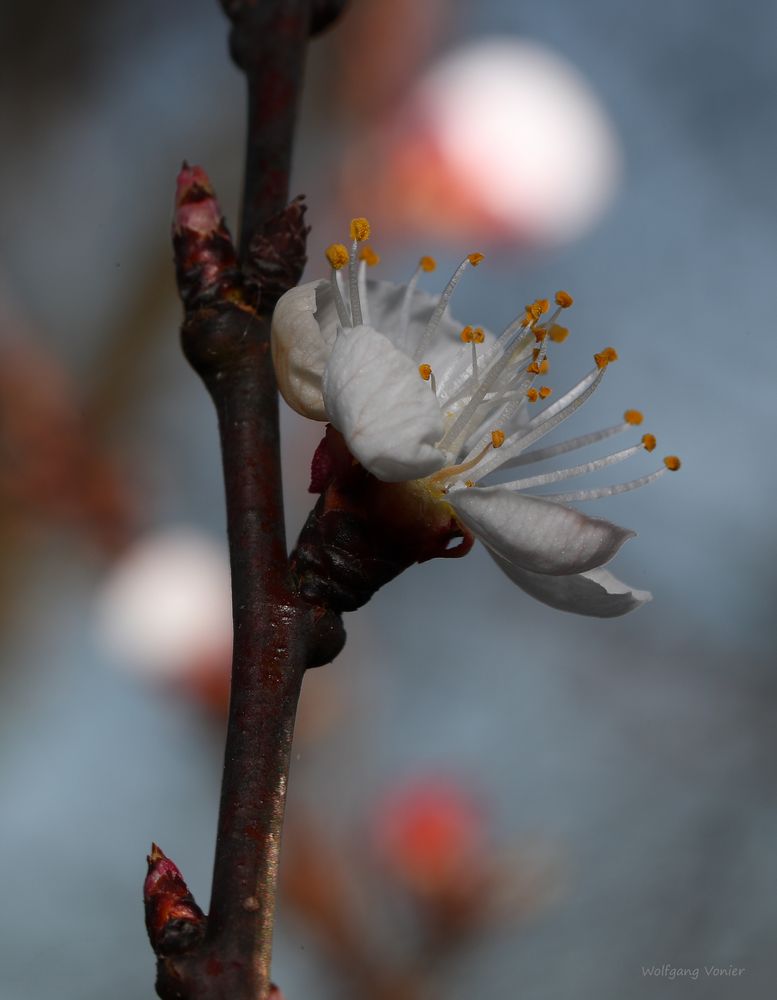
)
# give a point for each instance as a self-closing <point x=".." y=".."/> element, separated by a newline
<point x="573" y="444"/>
<point x="497" y="438"/>
<point x="545" y="391"/>
<point x="558" y="334"/>
<point x="452" y="471"/>
<point x="513" y="348"/>
<point x="533" y="395"/>
<point x="360" y="230"/>
<point x="363" y="298"/>
<point x="426" y="373"/>
<point x="425" y="264"/>
<point x="564" y="299"/>
<point x="577" y="470"/>
<point x="546" y="421"/>
<point x="605" y="491"/>
<point x="605" y="357"/>
<point x="581" y="388"/>
<point x="368" y="255"/>
<point x="633" y="417"/>
<point x="337" y="255"/>
<point x="672" y="462"/>
<point x="434" y="321"/>
<point x="648" y="442"/>
<point x="466" y="334"/>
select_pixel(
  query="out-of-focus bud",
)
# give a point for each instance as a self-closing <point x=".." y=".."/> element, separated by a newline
<point x="173" y="920"/>
<point x="502" y="135"/>
<point x="205" y="257"/>
<point x="164" y="612"/>
<point x="432" y="836"/>
<point x="429" y="833"/>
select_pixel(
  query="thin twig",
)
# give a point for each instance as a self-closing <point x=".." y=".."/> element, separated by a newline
<point x="277" y="634"/>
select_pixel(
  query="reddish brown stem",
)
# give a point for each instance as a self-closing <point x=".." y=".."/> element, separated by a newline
<point x="277" y="634"/>
<point x="268" y="43"/>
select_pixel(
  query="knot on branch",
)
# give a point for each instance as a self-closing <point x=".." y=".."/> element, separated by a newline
<point x="364" y="532"/>
<point x="277" y="256"/>
<point x="174" y="922"/>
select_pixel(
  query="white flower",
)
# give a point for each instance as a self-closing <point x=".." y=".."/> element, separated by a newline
<point x="419" y="400"/>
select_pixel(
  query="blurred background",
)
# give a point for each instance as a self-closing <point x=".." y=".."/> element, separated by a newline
<point x="488" y="798"/>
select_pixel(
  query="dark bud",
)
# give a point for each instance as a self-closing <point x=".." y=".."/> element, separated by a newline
<point x="174" y="922"/>
<point x="277" y="257"/>
<point x="205" y="258"/>
<point x="364" y="532"/>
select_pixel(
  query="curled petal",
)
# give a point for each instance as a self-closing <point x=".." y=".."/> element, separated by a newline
<point x="596" y="593"/>
<point x="375" y="397"/>
<point x="535" y="534"/>
<point x="304" y="329"/>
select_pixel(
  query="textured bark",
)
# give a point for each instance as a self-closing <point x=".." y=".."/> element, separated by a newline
<point x="228" y="298"/>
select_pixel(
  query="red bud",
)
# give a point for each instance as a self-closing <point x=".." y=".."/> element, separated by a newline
<point x="174" y="921"/>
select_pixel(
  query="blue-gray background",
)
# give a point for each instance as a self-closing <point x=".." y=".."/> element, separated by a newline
<point x="642" y="749"/>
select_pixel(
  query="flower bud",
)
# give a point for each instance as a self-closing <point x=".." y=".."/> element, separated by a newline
<point x="205" y="257"/>
<point x="173" y="920"/>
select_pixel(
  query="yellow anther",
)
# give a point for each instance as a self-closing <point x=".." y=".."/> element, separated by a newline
<point x="368" y="255"/>
<point x="672" y="462"/>
<point x="558" y="334"/>
<point x="360" y="229"/>
<point x="337" y="255"/>
<point x="649" y="442"/>
<point x="477" y="335"/>
<point x="536" y="351"/>
<point x="544" y="366"/>
<point x="425" y="371"/>
<point x="605" y="357"/>
<point x="475" y="258"/>
<point x="633" y="417"/>
<point x="467" y="334"/>
<point x="469" y="483"/>
<point x="532" y="395"/>
<point x="540" y="333"/>
<point x="533" y="310"/>
<point x="545" y="391"/>
<point x="497" y="438"/>
<point x="427" y="264"/>
<point x="543" y="305"/>
<point x="564" y="299"/>
<point x="534" y="368"/>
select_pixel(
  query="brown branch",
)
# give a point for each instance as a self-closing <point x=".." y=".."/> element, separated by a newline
<point x="228" y="299"/>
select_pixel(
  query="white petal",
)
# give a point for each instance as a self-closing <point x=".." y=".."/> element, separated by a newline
<point x="387" y="414"/>
<point x="304" y="328"/>
<point x="385" y="303"/>
<point x="596" y="593"/>
<point x="537" y="534"/>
